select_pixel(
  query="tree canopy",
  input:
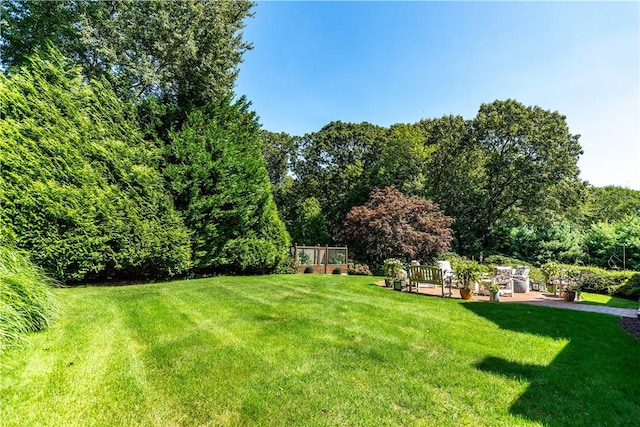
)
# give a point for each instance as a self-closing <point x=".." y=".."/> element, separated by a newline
<point x="510" y="164"/>
<point x="528" y="154"/>
<point x="184" y="51"/>
<point x="336" y="165"/>
<point x="391" y="225"/>
<point x="611" y="203"/>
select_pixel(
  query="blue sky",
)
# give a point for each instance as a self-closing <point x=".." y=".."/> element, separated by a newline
<point x="399" y="62"/>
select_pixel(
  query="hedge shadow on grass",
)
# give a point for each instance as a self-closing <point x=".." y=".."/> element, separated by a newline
<point x="592" y="381"/>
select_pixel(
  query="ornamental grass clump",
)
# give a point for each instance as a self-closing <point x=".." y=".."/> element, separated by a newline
<point x="27" y="303"/>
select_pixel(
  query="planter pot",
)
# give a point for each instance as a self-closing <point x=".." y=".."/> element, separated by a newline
<point x="466" y="294"/>
<point x="397" y="285"/>
<point x="569" y="296"/>
<point x="551" y="288"/>
<point x="388" y="283"/>
<point x="495" y="296"/>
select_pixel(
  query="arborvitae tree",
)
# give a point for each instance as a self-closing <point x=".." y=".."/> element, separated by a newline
<point x="79" y="187"/>
<point x="219" y="180"/>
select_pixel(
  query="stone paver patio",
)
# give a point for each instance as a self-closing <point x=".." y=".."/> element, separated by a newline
<point x="539" y="298"/>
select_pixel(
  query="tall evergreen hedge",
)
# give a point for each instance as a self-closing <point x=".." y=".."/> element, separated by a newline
<point x="79" y="186"/>
<point x="219" y="180"/>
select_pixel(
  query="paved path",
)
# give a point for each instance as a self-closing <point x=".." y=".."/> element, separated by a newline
<point x="550" y="300"/>
<point x="622" y="312"/>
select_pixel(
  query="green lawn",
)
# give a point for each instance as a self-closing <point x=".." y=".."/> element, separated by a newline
<point x="597" y="299"/>
<point x="315" y="350"/>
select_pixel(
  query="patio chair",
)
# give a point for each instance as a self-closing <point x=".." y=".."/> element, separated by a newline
<point x="503" y="277"/>
<point x="520" y="278"/>
<point x="447" y="272"/>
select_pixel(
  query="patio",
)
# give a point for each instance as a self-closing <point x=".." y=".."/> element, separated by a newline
<point x="543" y="298"/>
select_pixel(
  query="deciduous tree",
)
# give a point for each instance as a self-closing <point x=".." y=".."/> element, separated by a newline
<point x="391" y="225"/>
<point x="529" y="165"/>
<point x="612" y="203"/>
<point x="186" y="51"/>
<point x="336" y="165"/>
<point x="309" y="227"/>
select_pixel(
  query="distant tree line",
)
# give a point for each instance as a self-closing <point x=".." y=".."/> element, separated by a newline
<point x="508" y="178"/>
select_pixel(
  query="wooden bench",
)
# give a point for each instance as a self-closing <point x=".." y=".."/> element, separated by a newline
<point x="427" y="276"/>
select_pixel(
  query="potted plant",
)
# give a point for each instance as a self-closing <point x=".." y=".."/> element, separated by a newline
<point x="551" y="271"/>
<point x="494" y="290"/>
<point x="468" y="273"/>
<point x="393" y="269"/>
<point x="571" y="289"/>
